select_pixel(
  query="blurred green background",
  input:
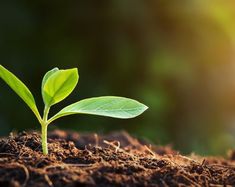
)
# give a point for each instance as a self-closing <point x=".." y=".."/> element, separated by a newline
<point x="177" y="57"/>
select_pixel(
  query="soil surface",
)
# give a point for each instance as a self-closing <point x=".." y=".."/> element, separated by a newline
<point x="116" y="159"/>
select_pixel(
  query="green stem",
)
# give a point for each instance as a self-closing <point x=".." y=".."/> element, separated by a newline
<point x="44" y="139"/>
<point x="44" y="125"/>
<point x="45" y="113"/>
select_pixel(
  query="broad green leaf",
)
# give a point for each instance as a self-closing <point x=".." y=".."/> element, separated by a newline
<point x="58" y="85"/>
<point x="111" y="106"/>
<point x="46" y="76"/>
<point x="19" y="88"/>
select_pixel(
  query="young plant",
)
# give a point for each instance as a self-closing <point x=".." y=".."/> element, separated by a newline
<point x="57" y="85"/>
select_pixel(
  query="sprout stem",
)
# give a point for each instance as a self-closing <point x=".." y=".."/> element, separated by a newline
<point x="44" y="125"/>
<point x="45" y="113"/>
<point x="44" y="139"/>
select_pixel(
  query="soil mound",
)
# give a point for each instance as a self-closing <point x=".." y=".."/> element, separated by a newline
<point x="116" y="159"/>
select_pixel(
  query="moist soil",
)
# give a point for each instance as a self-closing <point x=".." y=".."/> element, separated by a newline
<point x="116" y="159"/>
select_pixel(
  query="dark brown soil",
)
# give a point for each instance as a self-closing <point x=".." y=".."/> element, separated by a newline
<point x="113" y="160"/>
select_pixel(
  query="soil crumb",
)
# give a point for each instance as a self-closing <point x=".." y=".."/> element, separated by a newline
<point x="116" y="159"/>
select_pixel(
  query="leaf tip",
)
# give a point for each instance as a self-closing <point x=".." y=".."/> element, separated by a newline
<point x="142" y="110"/>
<point x="55" y="68"/>
<point x="76" y="72"/>
<point x="75" y="69"/>
<point x="145" y="107"/>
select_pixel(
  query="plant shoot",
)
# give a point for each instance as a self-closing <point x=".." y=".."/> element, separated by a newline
<point x="57" y="84"/>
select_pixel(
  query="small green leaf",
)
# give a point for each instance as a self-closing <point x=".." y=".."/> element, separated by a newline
<point x="48" y="74"/>
<point x="111" y="106"/>
<point x="19" y="88"/>
<point x="58" y="84"/>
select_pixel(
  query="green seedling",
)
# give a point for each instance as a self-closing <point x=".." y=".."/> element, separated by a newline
<point x="57" y="85"/>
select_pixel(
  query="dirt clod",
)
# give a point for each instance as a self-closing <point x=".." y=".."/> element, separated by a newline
<point x="116" y="159"/>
